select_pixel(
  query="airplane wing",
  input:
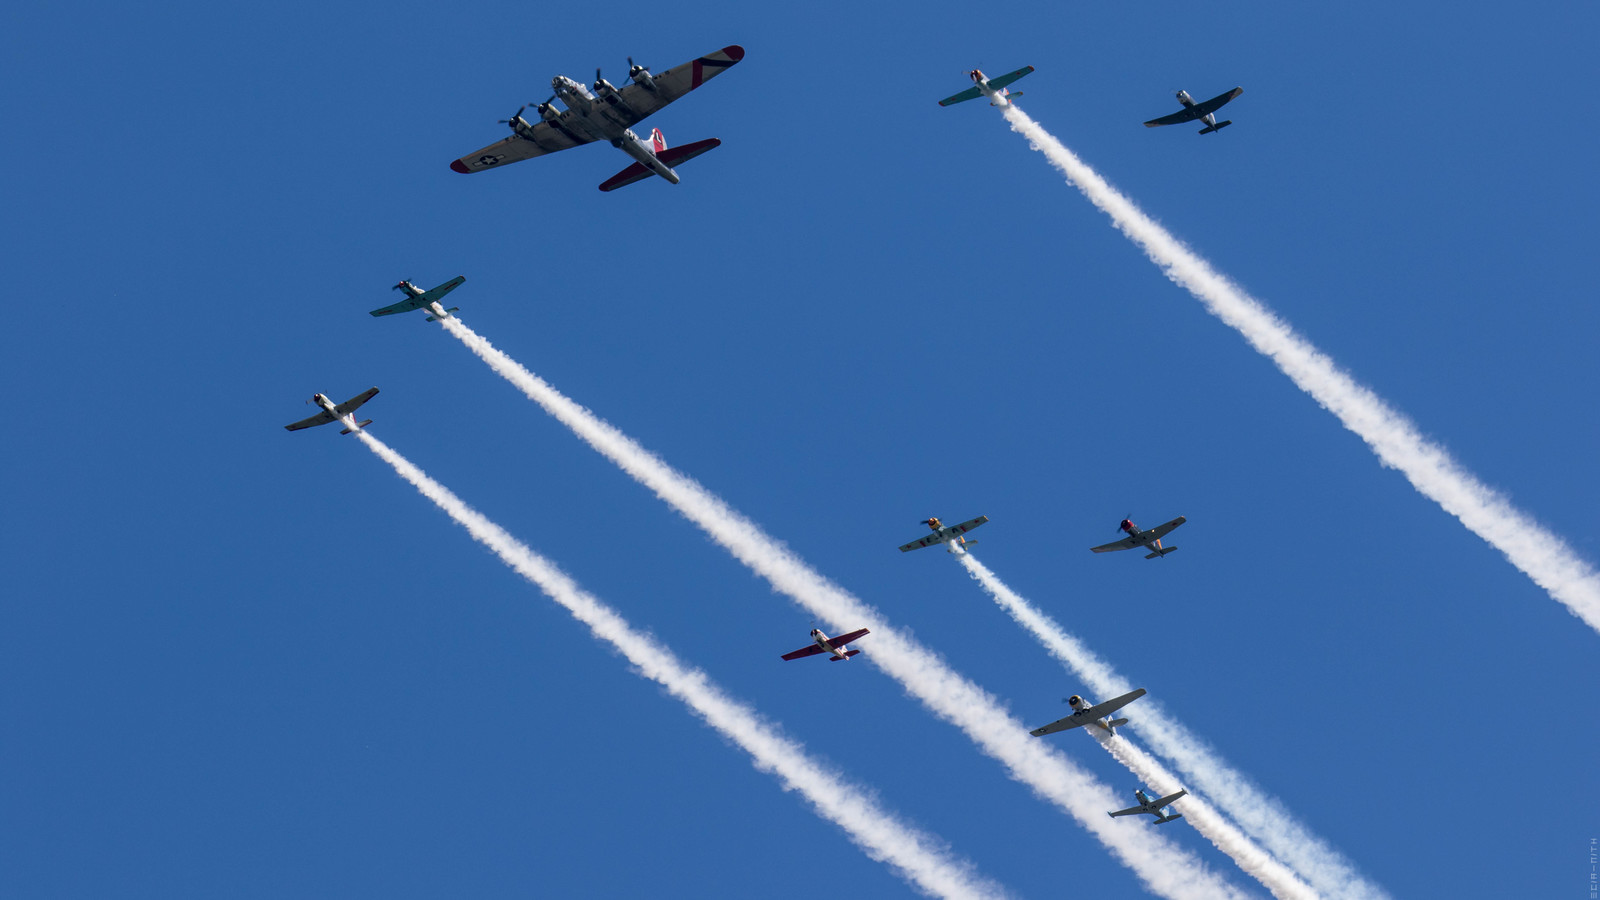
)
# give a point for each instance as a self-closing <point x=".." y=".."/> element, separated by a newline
<point x="547" y="138"/>
<point x="321" y="418"/>
<point x="637" y="101"/>
<point x="812" y="650"/>
<point x="406" y="305"/>
<point x="439" y="292"/>
<point x="1164" y="801"/>
<point x="843" y="639"/>
<point x="919" y="543"/>
<point x="1187" y="114"/>
<point x="1162" y="529"/>
<point x="1124" y="544"/>
<point x="1114" y="704"/>
<point x="1009" y="77"/>
<point x="1072" y="721"/>
<point x="1130" y="811"/>
<point x="1217" y="102"/>
<point x="970" y="524"/>
<point x="354" y="403"/>
<point x="970" y="93"/>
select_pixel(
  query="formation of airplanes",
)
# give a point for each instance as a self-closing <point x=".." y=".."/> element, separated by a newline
<point x="604" y="112"/>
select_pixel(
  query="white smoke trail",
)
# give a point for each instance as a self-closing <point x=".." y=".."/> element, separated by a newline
<point x="917" y="857"/>
<point x="1261" y="817"/>
<point x="1540" y="554"/>
<point x="1165" y="869"/>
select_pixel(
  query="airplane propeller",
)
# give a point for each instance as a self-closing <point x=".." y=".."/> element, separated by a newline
<point x="635" y="69"/>
<point x="514" y="116"/>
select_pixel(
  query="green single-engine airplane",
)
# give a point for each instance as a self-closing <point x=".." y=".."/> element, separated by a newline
<point x="993" y="88"/>
<point x="417" y="298"/>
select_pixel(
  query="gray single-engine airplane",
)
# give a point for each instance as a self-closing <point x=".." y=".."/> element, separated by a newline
<point x="946" y="534"/>
<point x="1156" y="807"/>
<point x="417" y="298"/>
<point x="993" y="88"/>
<point x="824" y="644"/>
<point x="1203" y="111"/>
<point x="1084" y="714"/>
<point x="330" y="412"/>
<point x="1137" y="538"/>
<point x="607" y="114"/>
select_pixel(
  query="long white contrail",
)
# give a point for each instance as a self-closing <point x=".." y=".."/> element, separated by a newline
<point x="1540" y="554"/>
<point x="1165" y="869"/>
<point x="919" y="858"/>
<point x="1260" y="816"/>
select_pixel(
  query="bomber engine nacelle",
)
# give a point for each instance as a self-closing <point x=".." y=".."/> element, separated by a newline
<point x="605" y="90"/>
<point x="641" y="75"/>
<point x="548" y="111"/>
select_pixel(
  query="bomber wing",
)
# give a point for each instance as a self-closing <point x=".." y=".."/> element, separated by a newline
<point x="544" y="137"/>
<point x="637" y="101"/>
<point x="1161" y="530"/>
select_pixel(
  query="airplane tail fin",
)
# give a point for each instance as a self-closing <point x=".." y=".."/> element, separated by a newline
<point x="450" y="310"/>
<point x="1165" y="819"/>
<point x="1217" y="127"/>
<point x="358" y="425"/>
<point x="671" y="157"/>
<point x="658" y="141"/>
<point x="1116" y="723"/>
<point x="847" y="655"/>
<point x="1162" y="552"/>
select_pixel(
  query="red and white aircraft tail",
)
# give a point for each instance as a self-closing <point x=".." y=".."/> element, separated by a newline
<point x="669" y="157"/>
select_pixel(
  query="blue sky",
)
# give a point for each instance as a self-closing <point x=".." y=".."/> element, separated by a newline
<point x="238" y="660"/>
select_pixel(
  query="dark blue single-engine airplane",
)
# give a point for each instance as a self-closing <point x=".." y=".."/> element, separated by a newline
<point x="1206" y="112"/>
<point x="417" y="298"/>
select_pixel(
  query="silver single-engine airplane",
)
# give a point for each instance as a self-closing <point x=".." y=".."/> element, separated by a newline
<point x="946" y="534"/>
<point x="1203" y="111"/>
<point x="1156" y="807"/>
<point x="1084" y="714"/>
<point x="1137" y="538"/>
<point x="417" y="298"/>
<point x="993" y="88"/>
<point x="331" y="412"/>
<point x="824" y="644"/>
<point x="608" y="114"/>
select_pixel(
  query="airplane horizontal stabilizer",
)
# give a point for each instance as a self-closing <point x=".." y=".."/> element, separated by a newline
<point x="847" y="655"/>
<point x="1165" y="819"/>
<point x="1162" y="552"/>
<point x="358" y="425"/>
<point x="672" y="156"/>
<point x="450" y="310"/>
<point x="1117" y="723"/>
<point x="1217" y="127"/>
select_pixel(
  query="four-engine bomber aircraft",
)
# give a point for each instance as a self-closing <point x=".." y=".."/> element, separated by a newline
<point x="417" y="298"/>
<point x="1084" y="714"/>
<point x="1204" y="111"/>
<point x="607" y="114"/>
<point x="1156" y="807"/>
<point x="946" y="534"/>
<point x="1137" y="538"/>
<point x="993" y="88"/>
<point x="825" y="644"/>
<point x="330" y="412"/>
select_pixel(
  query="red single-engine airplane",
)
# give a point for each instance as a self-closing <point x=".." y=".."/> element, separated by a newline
<point x="825" y="644"/>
